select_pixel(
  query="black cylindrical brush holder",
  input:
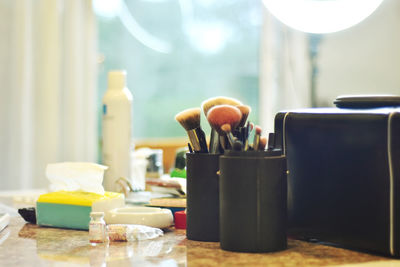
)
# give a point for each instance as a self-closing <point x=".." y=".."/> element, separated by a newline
<point x="202" y="188"/>
<point x="253" y="192"/>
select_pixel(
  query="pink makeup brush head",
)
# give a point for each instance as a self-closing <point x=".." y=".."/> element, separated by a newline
<point x="263" y="143"/>
<point x="258" y="129"/>
<point x="224" y="114"/>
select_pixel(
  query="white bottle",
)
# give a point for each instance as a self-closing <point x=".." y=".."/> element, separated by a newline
<point x="117" y="129"/>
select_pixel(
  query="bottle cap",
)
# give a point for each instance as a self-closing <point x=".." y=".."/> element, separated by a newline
<point x="117" y="79"/>
<point x="180" y="219"/>
<point x="96" y="213"/>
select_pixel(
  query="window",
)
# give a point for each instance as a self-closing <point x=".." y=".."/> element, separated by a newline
<point x="178" y="54"/>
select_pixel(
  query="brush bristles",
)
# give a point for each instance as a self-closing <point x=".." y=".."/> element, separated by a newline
<point x="226" y="128"/>
<point x="256" y="142"/>
<point x="251" y="126"/>
<point x="263" y="143"/>
<point x="189" y="118"/>
<point x="258" y="129"/>
<point x="245" y="114"/>
<point x="219" y="100"/>
<point x="224" y="114"/>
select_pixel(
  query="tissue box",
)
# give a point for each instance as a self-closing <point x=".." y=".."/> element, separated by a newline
<point x="65" y="209"/>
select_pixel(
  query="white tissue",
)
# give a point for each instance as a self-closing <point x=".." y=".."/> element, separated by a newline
<point x="76" y="176"/>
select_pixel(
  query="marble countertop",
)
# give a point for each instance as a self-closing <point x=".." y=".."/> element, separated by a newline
<point x="23" y="244"/>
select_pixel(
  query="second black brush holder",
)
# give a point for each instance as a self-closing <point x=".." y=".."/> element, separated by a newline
<point x="202" y="189"/>
<point x="253" y="192"/>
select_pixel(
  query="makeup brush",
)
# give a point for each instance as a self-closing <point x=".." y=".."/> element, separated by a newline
<point x="237" y="146"/>
<point x="251" y="126"/>
<point x="226" y="128"/>
<point x="263" y="143"/>
<point x="190" y="121"/>
<point x="257" y="134"/>
<point x="245" y="114"/>
<point x="190" y="148"/>
<point x="223" y="114"/>
<point x="219" y="100"/>
<point x="247" y="130"/>
<point x="206" y="106"/>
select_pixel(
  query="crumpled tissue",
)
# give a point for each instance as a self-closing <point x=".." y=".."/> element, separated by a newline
<point x="76" y="176"/>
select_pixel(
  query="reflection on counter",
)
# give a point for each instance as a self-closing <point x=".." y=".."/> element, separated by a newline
<point x="73" y="246"/>
<point x="31" y="245"/>
<point x="4" y="235"/>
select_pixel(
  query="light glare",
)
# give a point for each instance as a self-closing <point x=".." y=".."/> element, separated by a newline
<point x="107" y="8"/>
<point x="321" y="16"/>
<point x="208" y="37"/>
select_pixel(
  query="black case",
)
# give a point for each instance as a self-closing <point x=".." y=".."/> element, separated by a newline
<point x="253" y="195"/>
<point x="344" y="170"/>
<point x="202" y="210"/>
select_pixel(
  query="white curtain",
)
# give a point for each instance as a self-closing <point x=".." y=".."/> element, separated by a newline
<point x="48" y="88"/>
<point x="285" y="77"/>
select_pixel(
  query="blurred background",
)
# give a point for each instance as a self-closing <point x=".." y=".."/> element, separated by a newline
<point x="55" y="55"/>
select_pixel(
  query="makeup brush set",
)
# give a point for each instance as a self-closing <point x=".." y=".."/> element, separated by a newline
<point x="343" y="182"/>
<point x="236" y="190"/>
<point x="230" y="129"/>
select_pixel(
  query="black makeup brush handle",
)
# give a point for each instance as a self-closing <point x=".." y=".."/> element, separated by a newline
<point x="194" y="140"/>
<point x="202" y="140"/>
<point x="230" y="138"/>
<point x="214" y="142"/>
<point x="246" y="136"/>
<point x="256" y="142"/>
<point x="198" y="140"/>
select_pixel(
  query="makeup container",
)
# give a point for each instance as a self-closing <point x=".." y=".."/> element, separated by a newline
<point x="344" y="180"/>
<point x="202" y="189"/>
<point x="253" y="200"/>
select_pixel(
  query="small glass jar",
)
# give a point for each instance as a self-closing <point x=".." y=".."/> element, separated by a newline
<point x="97" y="227"/>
